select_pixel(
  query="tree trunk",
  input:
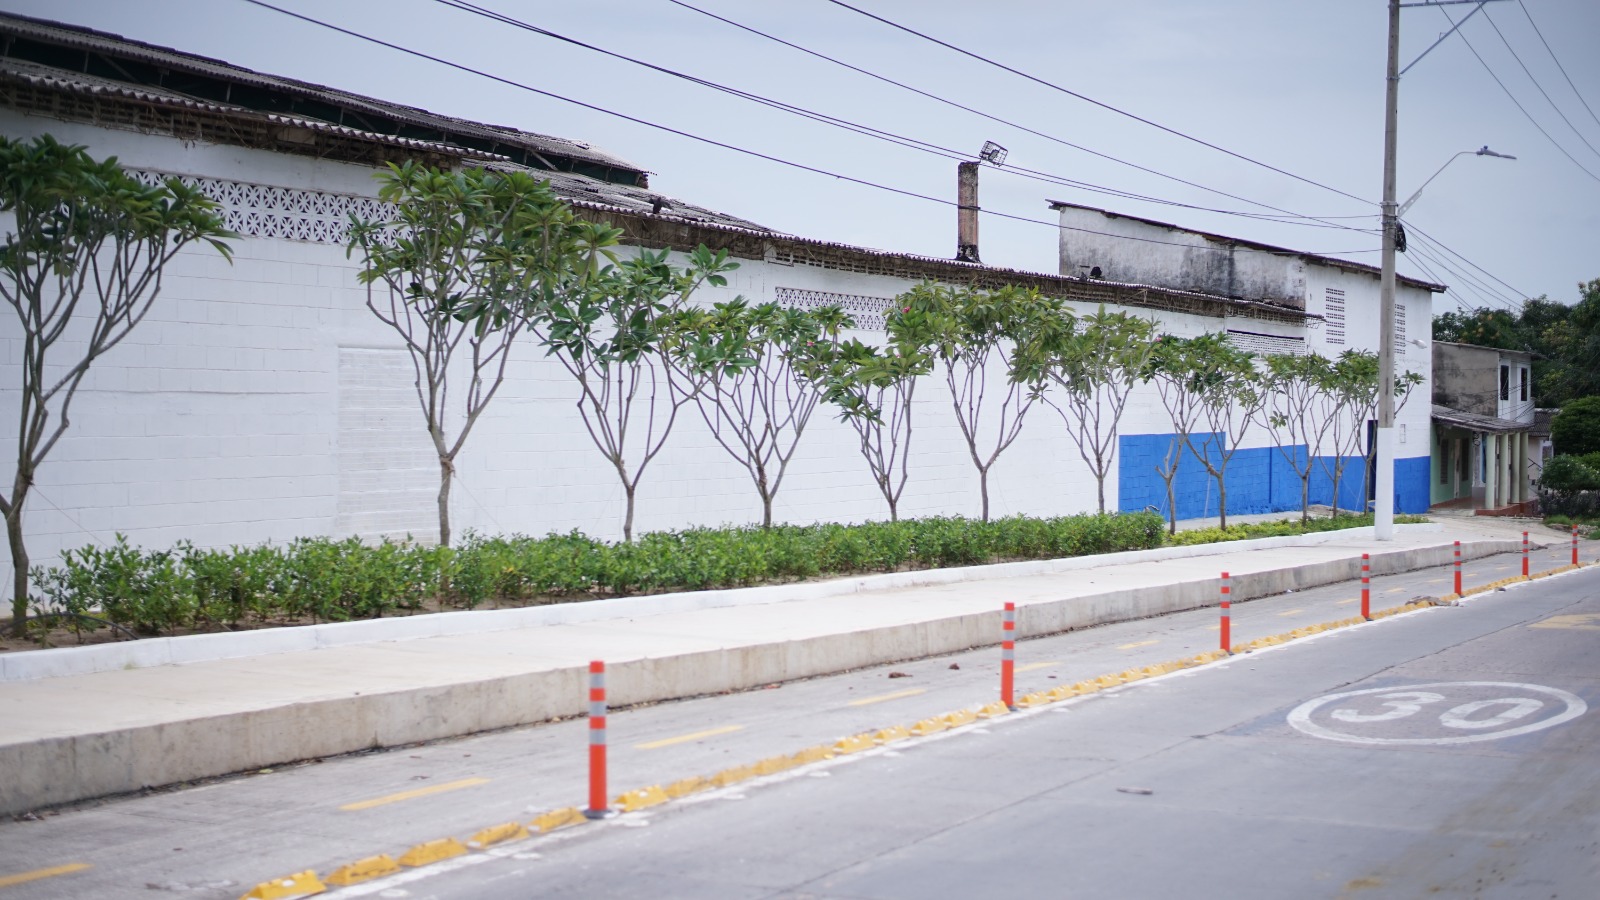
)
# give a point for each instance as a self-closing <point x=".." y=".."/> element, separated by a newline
<point x="627" y="520"/>
<point x="1172" y="505"/>
<point x="766" y="508"/>
<point x="19" y="560"/>
<point x="1338" y="469"/>
<point x="894" y="512"/>
<point x="1222" y="495"/>
<point x="446" y="471"/>
<point x="1305" y="496"/>
<point x="983" y="491"/>
<point x="1100" y="479"/>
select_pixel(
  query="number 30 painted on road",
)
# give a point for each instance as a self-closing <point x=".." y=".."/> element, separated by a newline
<point x="1519" y="702"/>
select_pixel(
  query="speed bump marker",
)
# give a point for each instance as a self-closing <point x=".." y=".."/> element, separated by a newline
<point x="498" y="834"/>
<point x="364" y="870"/>
<point x="855" y="743"/>
<point x="990" y="710"/>
<point x="892" y="734"/>
<point x="300" y="884"/>
<point x="432" y="852"/>
<point x="929" y="726"/>
<point x="643" y="798"/>
<point x="559" y="818"/>
<point x="686" y="786"/>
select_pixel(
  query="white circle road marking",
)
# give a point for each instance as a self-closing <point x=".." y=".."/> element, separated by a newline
<point x="1404" y="703"/>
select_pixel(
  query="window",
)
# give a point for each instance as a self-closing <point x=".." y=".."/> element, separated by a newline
<point x="1522" y="379"/>
<point x="1505" y="382"/>
<point x="1333" y="315"/>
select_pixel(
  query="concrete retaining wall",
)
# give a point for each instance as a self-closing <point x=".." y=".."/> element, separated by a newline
<point x="69" y="769"/>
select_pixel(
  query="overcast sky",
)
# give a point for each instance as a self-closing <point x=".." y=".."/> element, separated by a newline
<point x="1297" y="84"/>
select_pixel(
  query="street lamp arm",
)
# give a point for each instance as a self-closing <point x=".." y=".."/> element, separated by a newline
<point x="1407" y="205"/>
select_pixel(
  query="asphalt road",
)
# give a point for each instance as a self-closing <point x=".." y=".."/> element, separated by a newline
<point x="1240" y="802"/>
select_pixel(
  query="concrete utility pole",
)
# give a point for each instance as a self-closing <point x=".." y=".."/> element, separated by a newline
<point x="1383" y="501"/>
<point x="1383" y="509"/>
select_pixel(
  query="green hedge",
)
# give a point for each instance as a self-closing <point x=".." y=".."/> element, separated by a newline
<point x="316" y="579"/>
<point x="1279" y="529"/>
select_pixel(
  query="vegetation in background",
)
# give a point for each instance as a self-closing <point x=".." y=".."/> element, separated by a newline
<point x="1576" y="429"/>
<point x="81" y="266"/>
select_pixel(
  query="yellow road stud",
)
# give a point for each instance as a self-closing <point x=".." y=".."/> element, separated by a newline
<point x="960" y="717"/>
<point x="772" y="765"/>
<point x="432" y="852"/>
<point x="892" y="734"/>
<point x="1153" y="671"/>
<point x="811" y="755"/>
<point x="990" y="710"/>
<point x="365" y="870"/>
<point x="734" y="775"/>
<point x="685" y="787"/>
<point x="497" y="834"/>
<point x="1130" y="675"/>
<point x="1063" y="692"/>
<point x="1037" y="698"/>
<point x="300" y="884"/>
<point x="855" y="743"/>
<point x="1085" y="687"/>
<point x="559" y="818"/>
<point x="1106" y="681"/>
<point x="929" y="726"/>
<point x="643" y="798"/>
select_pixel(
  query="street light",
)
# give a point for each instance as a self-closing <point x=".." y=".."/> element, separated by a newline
<point x="1481" y="151"/>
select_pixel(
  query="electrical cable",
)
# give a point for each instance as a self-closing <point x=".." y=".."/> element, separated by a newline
<point x="1484" y="291"/>
<point x="1536" y="83"/>
<point x="1557" y="61"/>
<point x="1415" y="230"/>
<point x="1514" y="100"/>
<point x="870" y="131"/>
<point x="1106" y="106"/>
<point x="1012" y="124"/>
<point x="736" y="149"/>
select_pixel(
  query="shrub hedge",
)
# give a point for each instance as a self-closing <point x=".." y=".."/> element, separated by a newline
<point x="188" y="589"/>
<point x="1279" y="529"/>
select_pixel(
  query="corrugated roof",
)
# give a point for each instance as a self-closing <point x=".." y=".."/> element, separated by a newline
<point x="1254" y="245"/>
<point x="116" y="45"/>
<point x="1475" y="422"/>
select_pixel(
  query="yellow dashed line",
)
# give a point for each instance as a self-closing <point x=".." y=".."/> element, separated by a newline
<point x="36" y="874"/>
<point x="1395" y="591"/>
<point x="1347" y="602"/>
<point x="1436" y="580"/>
<point x="686" y="738"/>
<point x="1031" y="667"/>
<point x="1291" y="612"/>
<point x="883" y="698"/>
<point x="1137" y="644"/>
<point x="412" y="795"/>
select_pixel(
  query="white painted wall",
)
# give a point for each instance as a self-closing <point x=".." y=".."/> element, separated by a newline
<point x="262" y="401"/>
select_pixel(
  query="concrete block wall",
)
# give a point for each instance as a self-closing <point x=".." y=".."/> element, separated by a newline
<point x="262" y="401"/>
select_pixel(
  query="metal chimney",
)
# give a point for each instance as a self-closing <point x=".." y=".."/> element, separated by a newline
<point x="967" y="212"/>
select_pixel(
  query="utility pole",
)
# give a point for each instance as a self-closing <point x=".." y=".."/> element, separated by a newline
<point x="1383" y="509"/>
<point x="1383" y="501"/>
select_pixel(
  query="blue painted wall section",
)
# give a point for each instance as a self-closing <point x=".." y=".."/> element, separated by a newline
<point x="1260" y="479"/>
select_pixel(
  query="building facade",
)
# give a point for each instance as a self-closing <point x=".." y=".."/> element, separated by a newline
<point x="1484" y="450"/>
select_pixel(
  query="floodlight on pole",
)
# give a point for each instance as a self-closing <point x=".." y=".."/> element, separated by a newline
<point x="1481" y="151"/>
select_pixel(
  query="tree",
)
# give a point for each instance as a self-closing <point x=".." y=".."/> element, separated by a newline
<point x="1174" y="366"/>
<point x="970" y="333"/>
<point x="452" y="272"/>
<point x="1354" y="385"/>
<point x="873" y="390"/>
<point x="1483" y="327"/>
<point x="1095" y="366"/>
<point x="605" y="326"/>
<point x="1576" y="429"/>
<point x="1229" y="395"/>
<point x="1300" y="410"/>
<point x="757" y="374"/>
<point x="81" y="267"/>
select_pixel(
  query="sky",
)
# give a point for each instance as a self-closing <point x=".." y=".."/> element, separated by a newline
<point x="1297" y="85"/>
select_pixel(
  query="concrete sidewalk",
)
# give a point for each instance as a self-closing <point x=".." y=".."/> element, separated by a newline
<point x="79" y="736"/>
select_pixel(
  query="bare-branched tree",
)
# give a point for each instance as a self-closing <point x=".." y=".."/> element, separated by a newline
<point x="81" y="266"/>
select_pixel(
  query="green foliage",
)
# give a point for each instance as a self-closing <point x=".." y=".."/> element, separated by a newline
<point x="1564" y="340"/>
<point x="1281" y="528"/>
<point x="1576" y="429"/>
<point x="1570" y="486"/>
<point x="84" y="250"/>
<point x="320" y="580"/>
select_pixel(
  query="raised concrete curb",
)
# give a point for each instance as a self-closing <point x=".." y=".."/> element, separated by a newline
<point x="63" y="661"/>
<point x="68" y="768"/>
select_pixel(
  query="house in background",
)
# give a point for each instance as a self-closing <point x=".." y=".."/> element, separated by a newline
<point x="1340" y="302"/>
<point x="1483" y="424"/>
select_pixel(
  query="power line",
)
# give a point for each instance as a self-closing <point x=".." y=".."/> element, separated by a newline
<point x="866" y="130"/>
<point x="1515" y="101"/>
<point x="1017" y="125"/>
<point x="726" y="146"/>
<point x="1485" y="293"/>
<point x="1557" y="61"/>
<point x="1442" y="246"/>
<point x="1106" y="106"/>
<point x="1536" y="83"/>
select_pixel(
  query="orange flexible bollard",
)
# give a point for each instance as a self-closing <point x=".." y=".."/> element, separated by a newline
<point x="1524" y="554"/>
<point x="1458" y="568"/>
<point x="599" y="808"/>
<point x="1227" y="591"/>
<point x="1366" y="587"/>
<point x="1008" y="656"/>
